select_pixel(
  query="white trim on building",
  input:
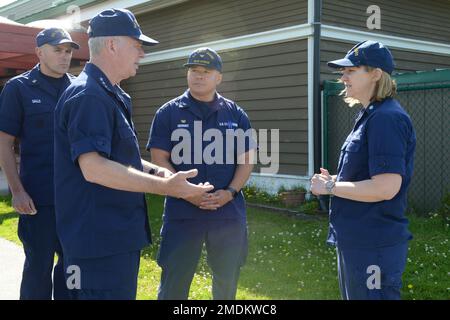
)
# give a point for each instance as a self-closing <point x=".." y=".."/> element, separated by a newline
<point x="248" y="41"/>
<point x="310" y="105"/>
<point x="295" y="33"/>
<point x="272" y="183"/>
<point x="350" y="35"/>
<point x="89" y="12"/>
<point x="311" y="12"/>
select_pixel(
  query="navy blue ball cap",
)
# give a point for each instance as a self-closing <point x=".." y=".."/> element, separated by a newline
<point x="205" y="57"/>
<point x="117" y="22"/>
<point x="54" y="37"/>
<point x="367" y="53"/>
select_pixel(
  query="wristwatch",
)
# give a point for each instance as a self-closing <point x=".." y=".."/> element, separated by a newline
<point x="233" y="191"/>
<point x="329" y="185"/>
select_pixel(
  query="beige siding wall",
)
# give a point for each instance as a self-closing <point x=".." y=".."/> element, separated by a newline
<point x="406" y="61"/>
<point x="198" y="21"/>
<point x="419" y="19"/>
<point x="268" y="82"/>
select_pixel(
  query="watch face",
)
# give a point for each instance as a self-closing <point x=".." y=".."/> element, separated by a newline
<point x="329" y="185"/>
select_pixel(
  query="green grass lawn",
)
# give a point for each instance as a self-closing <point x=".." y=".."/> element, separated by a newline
<point x="288" y="258"/>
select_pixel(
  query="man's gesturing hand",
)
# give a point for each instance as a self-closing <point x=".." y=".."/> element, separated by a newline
<point x="179" y="187"/>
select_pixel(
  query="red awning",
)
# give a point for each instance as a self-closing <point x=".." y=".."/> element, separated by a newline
<point x="17" y="45"/>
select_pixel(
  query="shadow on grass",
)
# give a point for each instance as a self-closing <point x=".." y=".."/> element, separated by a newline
<point x="256" y="277"/>
<point x="8" y="215"/>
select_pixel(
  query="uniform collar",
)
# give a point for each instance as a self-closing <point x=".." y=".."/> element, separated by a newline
<point x="35" y="79"/>
<point x="93" y="71"/>
<point x="187" y="101"/>
<point x="374" y="106"/>
<point x="364" y="113"/>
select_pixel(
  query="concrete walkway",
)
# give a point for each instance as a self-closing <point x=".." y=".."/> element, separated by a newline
<point x="11" y="265"/>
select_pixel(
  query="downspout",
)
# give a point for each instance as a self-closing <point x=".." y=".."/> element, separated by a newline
<point x="324" y="201"/>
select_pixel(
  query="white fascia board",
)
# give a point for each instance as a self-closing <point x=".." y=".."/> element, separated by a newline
<point x="88" y="13"/>
<point x="322" y="160"/>
<point x="278" y="175"/>
<point x="247" y="41"/>
<point x="310" y="106"/>
<point x="350" y="35"/>
<point x="311" y="11"/>
<point x="271" y="183"/>
<point x="294" y="33"/>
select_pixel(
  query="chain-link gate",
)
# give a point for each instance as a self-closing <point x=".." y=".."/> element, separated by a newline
<point x="426" y="97"/>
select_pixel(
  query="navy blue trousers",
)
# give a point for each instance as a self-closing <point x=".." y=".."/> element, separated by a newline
<point x="104" y="278"/>
<point x="40" y="243"/>
<point x="181" y="248"/>
<point x="358" y="268"/>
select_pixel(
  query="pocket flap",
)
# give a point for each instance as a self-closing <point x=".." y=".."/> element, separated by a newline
<point x="38" y="108"/>
<point x="353" y="146"/>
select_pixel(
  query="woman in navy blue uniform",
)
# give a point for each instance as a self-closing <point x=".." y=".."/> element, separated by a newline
<point x="369" y="193"/>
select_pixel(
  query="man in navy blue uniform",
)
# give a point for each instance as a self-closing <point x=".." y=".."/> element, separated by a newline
<point x="217" y="219"/>
<point x="100" y="177"/>
<point x="368" y="225"/>
<point x="27" y="105"/>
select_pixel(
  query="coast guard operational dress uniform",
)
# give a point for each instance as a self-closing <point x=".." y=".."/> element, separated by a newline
<point x="373" y="233"/>
<point x="27" y="105"/>
<point x="102" y="230"/>
<point x="185" y="226"/>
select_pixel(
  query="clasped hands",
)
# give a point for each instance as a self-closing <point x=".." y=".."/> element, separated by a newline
<point x="205" y="201"/>
<point x="318" y="182"/>
<point x="210" y="201"/>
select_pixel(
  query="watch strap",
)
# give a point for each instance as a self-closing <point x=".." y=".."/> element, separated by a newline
<point x="233" y="191"/>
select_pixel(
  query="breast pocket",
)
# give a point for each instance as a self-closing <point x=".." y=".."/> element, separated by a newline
<point x="353" y="146"/>
<point x="221" y="172"/>
<point x="351" y="153"/>
<point x="126" y="147"/>
<point x="38" y="120"/>
<point x="354" y="161"/>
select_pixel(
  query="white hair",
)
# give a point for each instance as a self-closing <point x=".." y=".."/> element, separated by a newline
<point x="97" y="44"/>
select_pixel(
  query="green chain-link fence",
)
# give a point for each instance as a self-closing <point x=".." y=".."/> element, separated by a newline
<point x="426" y="97"/>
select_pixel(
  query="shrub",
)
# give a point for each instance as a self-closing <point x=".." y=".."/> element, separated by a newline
<point x="297" y="188"/>
<point x="253" y="194"/>
<point x="310" y="207"/>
